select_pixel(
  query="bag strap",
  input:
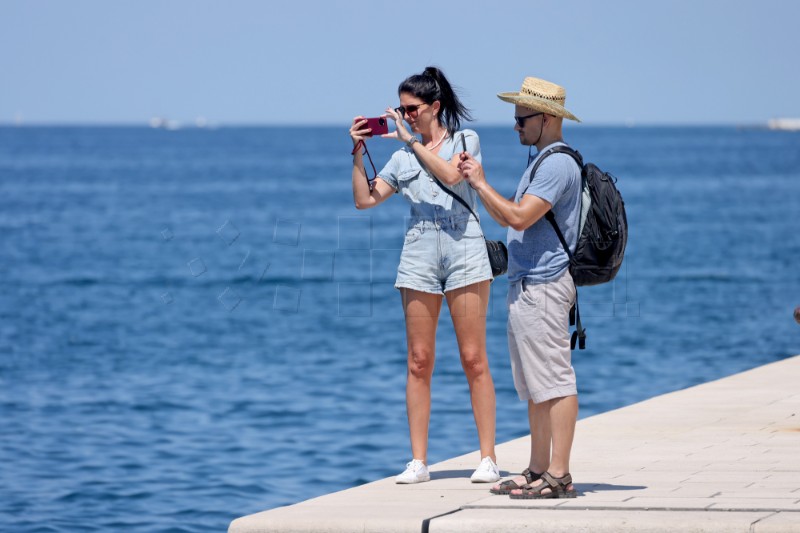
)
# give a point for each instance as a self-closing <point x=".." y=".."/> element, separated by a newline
<point x="460" y="200"/>
<point x="455" y="196"/>
<point x="450" y="192"/>
<point x="579" y="335"/>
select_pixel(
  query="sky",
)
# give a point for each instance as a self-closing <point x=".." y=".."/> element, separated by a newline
<point x="314" y="62"/>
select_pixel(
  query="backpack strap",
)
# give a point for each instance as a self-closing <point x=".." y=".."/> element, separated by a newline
<point x="560" y="149"/>
<point x="551" y="218"/>
<point x="549" y="215"/>
<point x="579" y="335"/>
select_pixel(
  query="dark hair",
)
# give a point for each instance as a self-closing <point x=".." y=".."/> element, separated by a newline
<point x="430" y="86"/>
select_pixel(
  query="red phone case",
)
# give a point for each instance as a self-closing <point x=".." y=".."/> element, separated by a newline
<point x="378" y="125"/>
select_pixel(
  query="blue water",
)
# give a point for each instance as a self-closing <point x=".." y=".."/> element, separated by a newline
<point x="197" y="324"/>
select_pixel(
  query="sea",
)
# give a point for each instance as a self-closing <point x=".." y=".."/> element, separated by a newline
<point x="197" y="324"/>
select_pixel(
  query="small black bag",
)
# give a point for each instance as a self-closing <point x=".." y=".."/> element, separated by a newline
<point x="498" y="256"/>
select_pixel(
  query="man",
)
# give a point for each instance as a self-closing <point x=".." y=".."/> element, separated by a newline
<point x="541" y="290"/>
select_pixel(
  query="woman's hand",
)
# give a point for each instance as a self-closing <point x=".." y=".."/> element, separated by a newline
<point x="358" y="132"/>
<point x="400" y="132"/>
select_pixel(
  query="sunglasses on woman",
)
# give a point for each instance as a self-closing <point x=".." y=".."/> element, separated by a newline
<point x="409" y="109"/>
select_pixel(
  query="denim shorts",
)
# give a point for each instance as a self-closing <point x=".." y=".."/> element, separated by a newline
<point x="442" y="254"/>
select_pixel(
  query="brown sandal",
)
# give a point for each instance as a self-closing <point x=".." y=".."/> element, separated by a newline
<point x="557" y="485"/>
<point x="507" y="486"/>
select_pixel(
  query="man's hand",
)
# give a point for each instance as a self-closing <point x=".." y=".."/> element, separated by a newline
<point x="471" y="171"/>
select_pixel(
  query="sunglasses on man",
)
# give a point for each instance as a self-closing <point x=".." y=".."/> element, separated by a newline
<point x="521" y="120"/>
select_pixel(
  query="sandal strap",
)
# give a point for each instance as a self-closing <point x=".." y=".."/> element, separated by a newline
<point x="556" y="483"/>
<point x="530" y="476"/>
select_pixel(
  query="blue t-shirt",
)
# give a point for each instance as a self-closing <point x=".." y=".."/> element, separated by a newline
<point x="536" y="253"/>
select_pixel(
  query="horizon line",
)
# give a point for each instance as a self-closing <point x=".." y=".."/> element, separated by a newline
<point x="190" y="125"/>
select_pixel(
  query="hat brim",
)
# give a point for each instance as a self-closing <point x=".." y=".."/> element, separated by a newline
<point x="538" y="104"/>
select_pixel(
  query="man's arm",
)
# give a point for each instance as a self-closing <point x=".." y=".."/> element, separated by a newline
<point x="519" y="216"/>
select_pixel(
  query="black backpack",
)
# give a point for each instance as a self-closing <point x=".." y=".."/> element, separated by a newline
<point x="602" y="236"/>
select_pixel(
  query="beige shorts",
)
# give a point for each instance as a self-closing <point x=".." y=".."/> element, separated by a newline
<point x="539" y="338"/>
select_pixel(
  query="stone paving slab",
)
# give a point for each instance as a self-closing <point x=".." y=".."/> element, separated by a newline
<point x="719" y="457"/>
<point x="603" y="521"/>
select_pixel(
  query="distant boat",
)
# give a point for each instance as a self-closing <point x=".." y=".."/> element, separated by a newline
<point x="785" y="124"/>
<point x="165" y="124"/>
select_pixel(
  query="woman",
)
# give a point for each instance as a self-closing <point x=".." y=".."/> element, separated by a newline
<point x="444" y="254"/>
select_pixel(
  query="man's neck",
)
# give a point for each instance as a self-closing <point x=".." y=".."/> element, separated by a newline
<point x="547" y="141"/>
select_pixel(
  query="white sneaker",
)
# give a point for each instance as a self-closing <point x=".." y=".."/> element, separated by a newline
<point x="487" y="472"/>
<point x="416" y="472"/>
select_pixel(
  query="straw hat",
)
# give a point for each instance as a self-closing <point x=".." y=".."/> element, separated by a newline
<point x="540" y="95"/>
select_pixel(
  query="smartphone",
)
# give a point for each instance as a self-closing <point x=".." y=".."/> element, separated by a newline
<point x="378" y="125"/>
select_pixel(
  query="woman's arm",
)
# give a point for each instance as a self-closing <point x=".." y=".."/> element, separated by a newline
<point x="446" y="171"/>
<point x="365" y="196"/>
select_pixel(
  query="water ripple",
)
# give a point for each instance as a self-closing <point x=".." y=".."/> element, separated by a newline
<point x="138" y="395"/>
